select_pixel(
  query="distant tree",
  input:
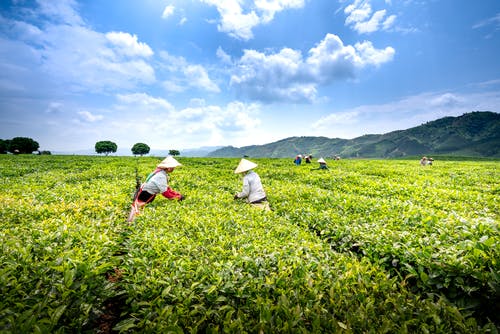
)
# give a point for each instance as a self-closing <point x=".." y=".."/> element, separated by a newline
<point x="44" y="153"/>
<point x="140" y="148"/>
<point x="4" y="146"/>
<point x="174" y="152"/>
<point x="22" y="145"/>
<point x="105" y="147"/>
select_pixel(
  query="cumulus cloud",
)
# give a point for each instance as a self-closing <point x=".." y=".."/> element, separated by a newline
<point x="287" y="76"/>
<point x="360" y="17"/>
<point x="58" y="47"/>
<point x="197" y="76"/>
<point x="87" y="60"/>
<point x="168" y="11"/>
<point x="448" y="100"/>
<point x="238" y="18"/>
<point x="234" y="117"/>
<point x="157" y="122"/>
<point x="186" y="74"/>
<point x="128" y="45"/>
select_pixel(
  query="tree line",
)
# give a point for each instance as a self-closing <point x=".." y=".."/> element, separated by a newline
<point x="19" y="145"/>
<point x="106" y="147"/>
<point x="25" y="145"/>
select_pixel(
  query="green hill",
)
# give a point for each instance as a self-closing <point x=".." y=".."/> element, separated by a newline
<point x="475" y="134"/>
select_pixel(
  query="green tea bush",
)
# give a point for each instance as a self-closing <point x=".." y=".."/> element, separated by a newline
<point x="367" y="246"/>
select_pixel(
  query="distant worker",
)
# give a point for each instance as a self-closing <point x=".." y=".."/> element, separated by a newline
<point x="322" y="164"/>
<point x="423" y="161"/>
<point x="298" y="160"/>
<point x="308" y="159"/>
<point x="156" y="183"/>
<point x="429" y="161"/>
<point x="252" y="190"/>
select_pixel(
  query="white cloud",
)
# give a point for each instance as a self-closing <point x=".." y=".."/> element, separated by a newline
<point x="238" y="18"/>
<point x="389" y="22"/>
<point x="186" y="74"/>
<point x="490" y="25"/>
<point x="155" y="121"/>
<point x="447" y="100"/>
<point x="83" y="60"/>
<point x="89" y="117"/>
<point x="268" y="8"/>
<point x="59" y="50"/>
<point x="167" y="12"/>
<point x="172" y="87"/>
<point x="145" y="102"/>
<point x="25" y="31"/>
<point x="371" y="56"/>
<point x="233" y="21"/>
<point x="197" y="76"/>
<point x="127" y="44"/>
<point x="403" y="113"/>
<point x="234" y="118"/>
<point x="358" y="11"/>
<point x="336" y="119"/>
<point x="223" y="56"/>
<point x="370" y="25"/>
<point x="495" y="21"/>
<point x="61" y="11"/>
<point x="287" y="76"/>
<point x="360" y="18"/>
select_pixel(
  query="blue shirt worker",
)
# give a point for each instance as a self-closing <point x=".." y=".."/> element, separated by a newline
<point x="298" y="160"/>
<point x="252" y="190"/>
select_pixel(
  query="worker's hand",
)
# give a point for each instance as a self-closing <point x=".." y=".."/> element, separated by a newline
<point x="236" y="196"/>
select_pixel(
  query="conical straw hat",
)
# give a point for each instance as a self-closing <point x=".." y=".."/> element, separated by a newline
<point x="169" y="162"/>
<point x="244" y="166"/>
<point x="321" y="160"/>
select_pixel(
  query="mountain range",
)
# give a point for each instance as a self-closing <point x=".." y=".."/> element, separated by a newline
<point x="474" y="134"/>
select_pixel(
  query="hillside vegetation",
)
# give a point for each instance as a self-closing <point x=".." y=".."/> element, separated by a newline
<point x="475" y="134"/>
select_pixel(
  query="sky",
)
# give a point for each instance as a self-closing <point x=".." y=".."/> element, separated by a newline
<point x="180" y="74"/>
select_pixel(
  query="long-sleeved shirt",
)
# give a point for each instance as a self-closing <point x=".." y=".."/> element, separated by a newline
<point x="252" y="188"/>
<point x="157" y="184"/>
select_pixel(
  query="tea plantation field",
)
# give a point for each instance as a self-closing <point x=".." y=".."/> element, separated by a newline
<point x="369" y="246"/>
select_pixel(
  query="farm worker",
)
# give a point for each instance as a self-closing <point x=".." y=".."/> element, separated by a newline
<point x="298" y="160"/>
<point x="308" y="159"/>
<point x="423" y="161"/>
<point x="322" y="164"/>
<point x="156" y="183"/>
<point x="252" y="187"/>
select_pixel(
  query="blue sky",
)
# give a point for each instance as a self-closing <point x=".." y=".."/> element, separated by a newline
<point x="178" y="74"/>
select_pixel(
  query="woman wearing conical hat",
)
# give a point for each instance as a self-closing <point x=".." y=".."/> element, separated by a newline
<point x="322" y="164"/>
<point x="252" y="190"/>
<point x="156" y="183"/>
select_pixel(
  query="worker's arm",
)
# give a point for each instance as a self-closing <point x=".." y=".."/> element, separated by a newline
<point x="246" y="189"/>
<point x="172" y="194"/>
